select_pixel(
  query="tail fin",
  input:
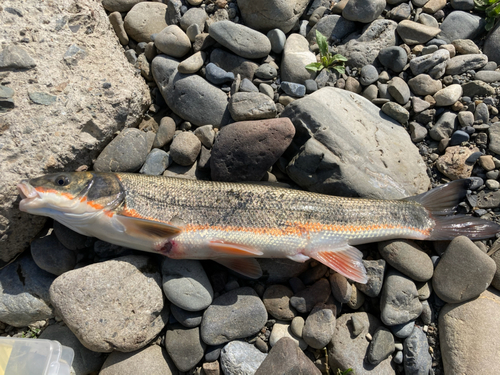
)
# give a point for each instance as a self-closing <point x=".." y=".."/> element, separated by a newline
<point x="442" y="202"/>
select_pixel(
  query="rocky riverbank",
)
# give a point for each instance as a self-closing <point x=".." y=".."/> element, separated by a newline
<point x="218" y="90"/>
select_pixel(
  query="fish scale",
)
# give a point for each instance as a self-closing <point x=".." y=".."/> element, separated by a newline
<point x="263" y="206"/>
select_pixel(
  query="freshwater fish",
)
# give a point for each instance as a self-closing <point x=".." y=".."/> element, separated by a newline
<point x="234" y="223"/>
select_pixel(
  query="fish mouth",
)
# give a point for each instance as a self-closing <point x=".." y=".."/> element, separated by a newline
<point x="28" y="194"/>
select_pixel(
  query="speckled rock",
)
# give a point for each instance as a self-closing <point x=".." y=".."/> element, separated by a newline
<point x="240" y="358"/>
<point x="468" y="341"/>
<point x="319" y="326"/>
<point x="453" y="163"/>
<point x="245" y="106"/>
<point x="128" y="321"/>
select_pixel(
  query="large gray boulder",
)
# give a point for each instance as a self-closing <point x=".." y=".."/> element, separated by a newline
<point x="349" y="147"/>
<point x="85" y="90"/>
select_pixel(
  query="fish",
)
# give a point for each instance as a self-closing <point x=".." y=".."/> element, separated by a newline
<point x="234" y="223"/>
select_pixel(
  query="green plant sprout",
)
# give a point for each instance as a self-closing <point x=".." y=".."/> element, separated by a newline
<point x="492" y="10"/>
<point x="31" y="333"/>
<point x="345" y="372"/>
<point x="327" y="59"/>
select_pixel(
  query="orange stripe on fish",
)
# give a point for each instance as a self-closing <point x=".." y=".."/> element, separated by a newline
<point x="41" y="189"/>
<point x="300" y="229"/>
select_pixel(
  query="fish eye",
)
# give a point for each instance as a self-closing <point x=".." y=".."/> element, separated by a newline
<point x="62" y="181"/>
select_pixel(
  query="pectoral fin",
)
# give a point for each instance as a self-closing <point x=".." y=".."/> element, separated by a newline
<point x="233" y="248"/>
<point x="246" y="266"/>
<point x="343" y="258"/>
<point x="146" y="228"/>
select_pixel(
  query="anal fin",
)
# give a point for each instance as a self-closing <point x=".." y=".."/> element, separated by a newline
<point x="233" y="248"/>
<point x="343" y="258"/>
<point x="246" y="266"/>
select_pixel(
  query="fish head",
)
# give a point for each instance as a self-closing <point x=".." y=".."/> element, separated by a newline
<point x="61" y="194"/>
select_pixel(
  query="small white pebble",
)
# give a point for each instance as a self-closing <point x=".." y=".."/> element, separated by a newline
<point x="369" y="337"/>
<point x="492" y="184"/>
<point x="398" y="346"/>
<point x="431" y="349"/>
<point x="426" y="328"/>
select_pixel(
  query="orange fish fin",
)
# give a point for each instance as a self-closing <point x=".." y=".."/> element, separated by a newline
<point x="146" y="228"/>
<point x="235" y="249"/>
<point x="246" y="266"/>
<point x="345" y="259"/>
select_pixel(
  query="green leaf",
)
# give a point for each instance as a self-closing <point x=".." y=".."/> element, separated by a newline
<point x="340" y="69"/>
<point x="339" y="57"/>
<point x="315" y="67"/>
<point x="322" y="43"/>
<point x="490" y="22"/>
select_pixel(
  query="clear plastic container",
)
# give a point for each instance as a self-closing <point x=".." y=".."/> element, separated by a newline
<point x="34" y="357"/>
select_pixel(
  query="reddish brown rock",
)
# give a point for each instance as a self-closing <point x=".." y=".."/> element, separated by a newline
<point x="452" y="164"/>
<point x="244" y="151"/>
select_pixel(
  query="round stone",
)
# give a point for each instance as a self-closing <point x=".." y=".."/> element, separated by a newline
<point x="186" y="284"/>
<point x="234" y="315"/>
<point x="145" y="19"/>
<point x="368" y="75"/>
<point x="448" y="96"/>
<point x="277" y="301"/>
<point x="185" y="148"/>
<point x="173" y="41"/>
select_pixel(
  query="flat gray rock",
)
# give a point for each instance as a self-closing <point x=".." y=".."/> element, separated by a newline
<point x="24" y="293"/>
<point x="349" y="350"/>
<point x="408" y="258"/>
<point x="462" y="63"/>
<point x="399" y="301"/>
<point x="240" y="358"/>
<point x="186" y="284"/>
<point x="85" y="361"/>
<point x="335" y="132"/>
<point x="114" y="305"/>
<point x="234" y="315"/>
<point x="240" y="39"/>
<point x="463" y="272"/>
<point x="184" y="346"/>
<point x="333" y="26"/>
<point x="195" y="100"/>
<point x="468" y="341"/>
<point x="381" y="347"/>
<point x="264" y="15"/>
<point x="247" y="106"/>
<point x="150" y="360"/>
<point x="363" y="49"/>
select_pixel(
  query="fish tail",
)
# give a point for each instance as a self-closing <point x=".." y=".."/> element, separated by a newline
<point x="442" y="202"/>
